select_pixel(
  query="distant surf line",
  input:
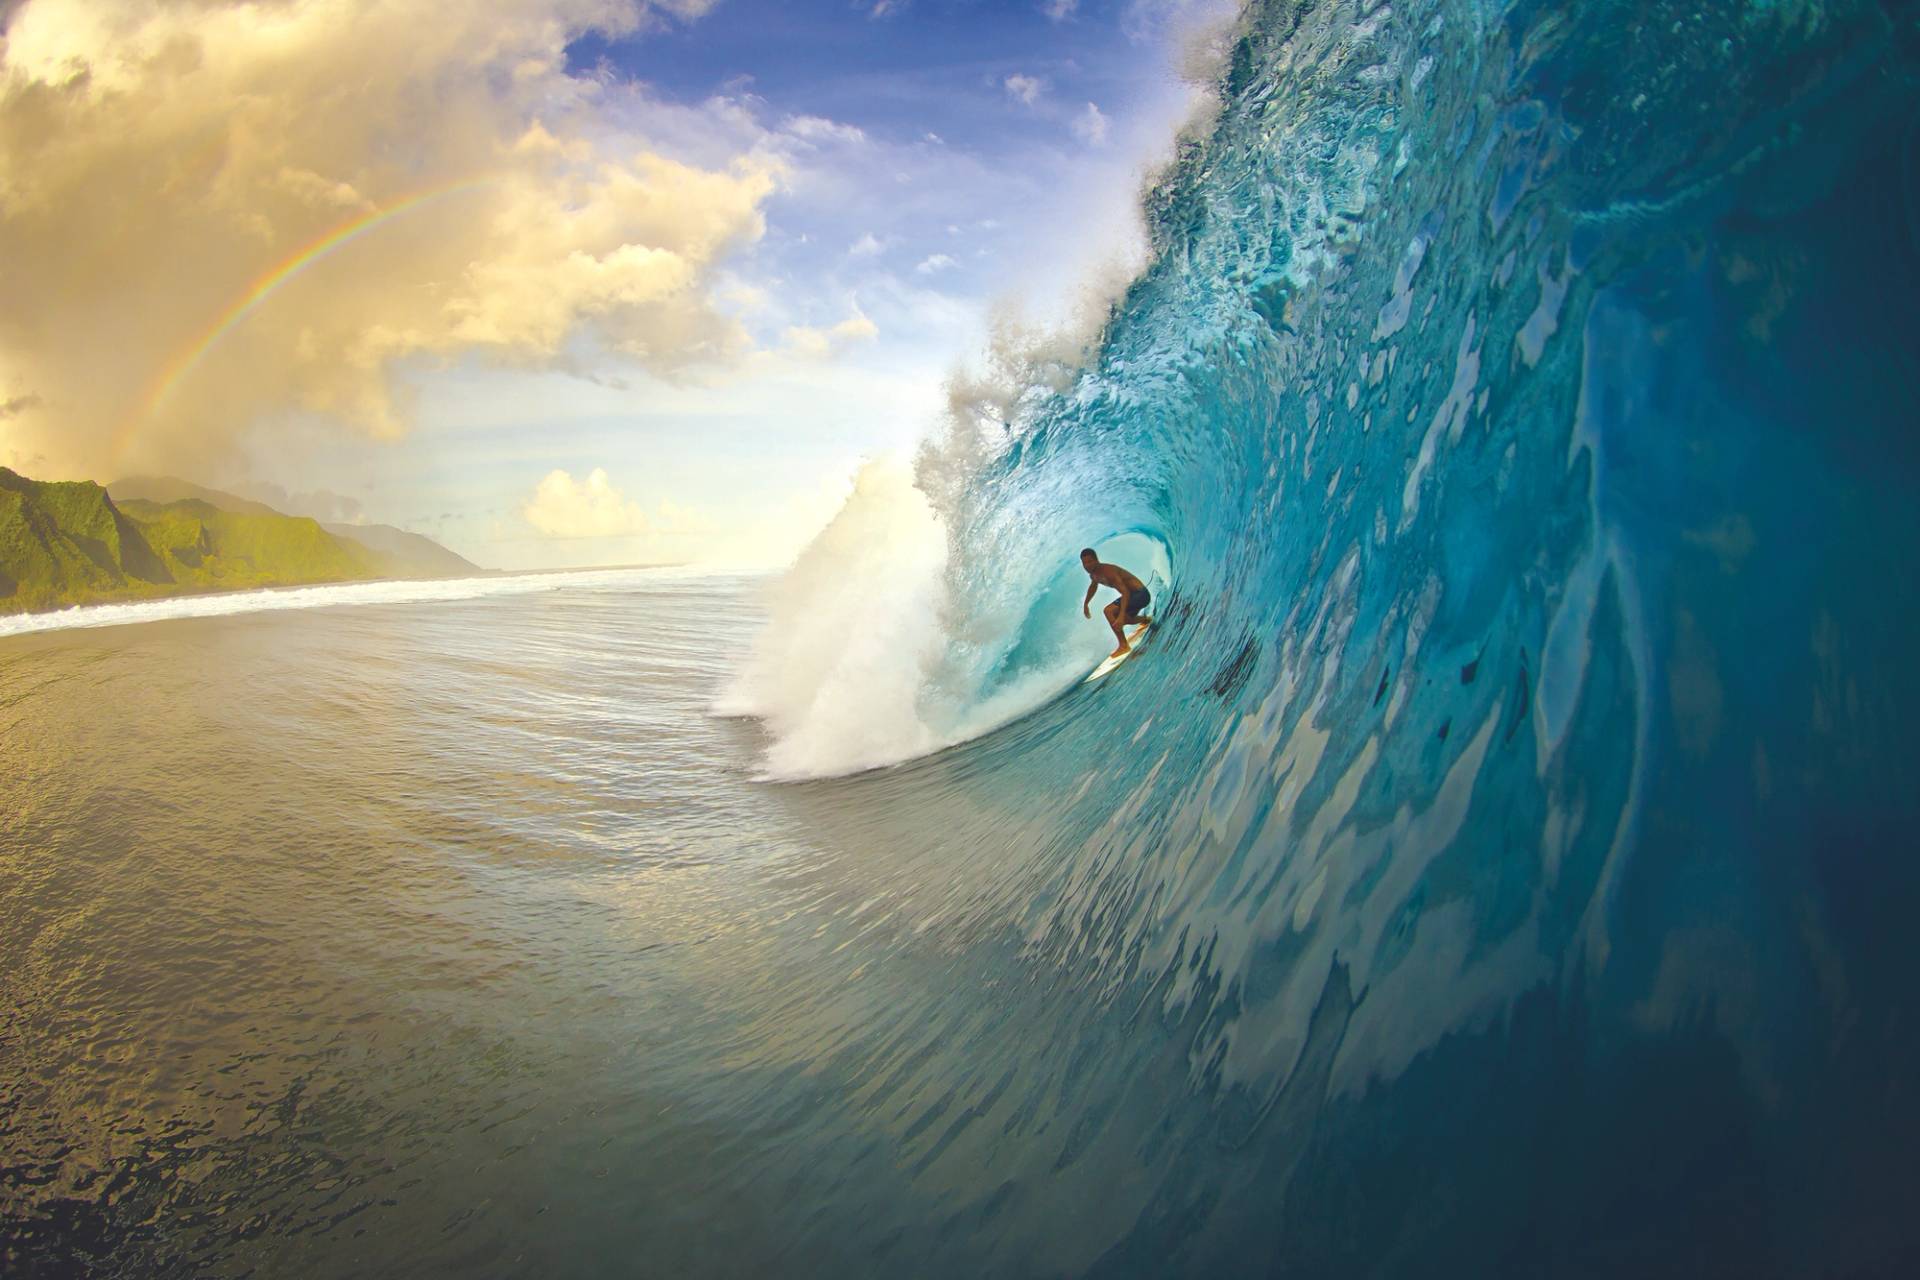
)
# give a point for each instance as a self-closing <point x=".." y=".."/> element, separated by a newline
<point x="268" y="283"/>
<point x="215" y="604"/>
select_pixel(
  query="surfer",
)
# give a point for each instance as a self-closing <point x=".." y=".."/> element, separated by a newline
<point x="1122" y="612"/>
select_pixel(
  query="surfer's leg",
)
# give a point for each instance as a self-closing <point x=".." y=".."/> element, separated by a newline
<point x="1115" y="612"/>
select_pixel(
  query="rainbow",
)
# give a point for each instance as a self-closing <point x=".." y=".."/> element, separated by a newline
<point x="183" y="364"/>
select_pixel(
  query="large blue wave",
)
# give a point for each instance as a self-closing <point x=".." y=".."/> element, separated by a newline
<point x="1510" y="828"/>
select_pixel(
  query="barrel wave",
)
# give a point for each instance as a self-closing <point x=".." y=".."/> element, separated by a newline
<point x="1500" y="863"/>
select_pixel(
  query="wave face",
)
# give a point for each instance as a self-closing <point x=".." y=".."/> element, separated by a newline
<point x="1508" y="827"/>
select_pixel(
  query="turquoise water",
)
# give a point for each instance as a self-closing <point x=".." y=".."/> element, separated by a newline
<point x="1498" y="864"/>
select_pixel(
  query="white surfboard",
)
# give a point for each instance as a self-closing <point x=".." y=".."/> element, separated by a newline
<point x="1133" y="647"/>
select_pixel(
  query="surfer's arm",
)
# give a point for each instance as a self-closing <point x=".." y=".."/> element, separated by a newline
<point x="1091" y="588"/>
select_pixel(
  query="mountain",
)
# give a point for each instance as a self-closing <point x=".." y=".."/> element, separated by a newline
<point x="73" y="542"/>
<point x="395" y="553"/>
<point x="406" y="555"/>
<point x="61" y="543"/>
<point x="65" y="543"/>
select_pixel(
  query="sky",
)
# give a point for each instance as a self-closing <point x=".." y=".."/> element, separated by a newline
<point x="556" y="282"/>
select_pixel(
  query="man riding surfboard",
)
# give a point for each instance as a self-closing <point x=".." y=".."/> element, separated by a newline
<point x="1123" y="612"/>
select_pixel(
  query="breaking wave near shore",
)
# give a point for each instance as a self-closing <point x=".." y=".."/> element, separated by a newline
<point x="330" y="596"/>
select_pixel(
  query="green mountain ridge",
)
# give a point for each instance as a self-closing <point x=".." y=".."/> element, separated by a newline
<point x="64" y="543"/>
<point x="398" y="552"/>
<point x="165" y="489"/>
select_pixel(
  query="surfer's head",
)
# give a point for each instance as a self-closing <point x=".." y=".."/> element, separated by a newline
<point x="1089" y="559"/>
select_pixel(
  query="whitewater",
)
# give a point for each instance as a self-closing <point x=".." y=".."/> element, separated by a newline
<point x="1498" y="864"/>
<point x="273" y="599"/>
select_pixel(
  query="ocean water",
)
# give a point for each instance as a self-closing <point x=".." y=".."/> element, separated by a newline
<point x="1500" y="862"/>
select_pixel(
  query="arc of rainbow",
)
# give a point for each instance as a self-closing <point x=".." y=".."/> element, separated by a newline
<point x="264" y="287"/>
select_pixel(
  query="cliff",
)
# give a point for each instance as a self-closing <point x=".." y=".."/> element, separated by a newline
<point x="396" y="553"/>
<point x="67" y="543"/>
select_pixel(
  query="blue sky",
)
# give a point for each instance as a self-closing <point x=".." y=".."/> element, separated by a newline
<point x="932" y="65"/>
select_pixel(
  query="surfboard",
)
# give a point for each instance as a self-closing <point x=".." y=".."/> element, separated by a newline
<point x="1110" y="663"/>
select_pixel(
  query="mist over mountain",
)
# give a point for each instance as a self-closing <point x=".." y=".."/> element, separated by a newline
<point x="400" y="552"/>
<point x="65" y="543"/>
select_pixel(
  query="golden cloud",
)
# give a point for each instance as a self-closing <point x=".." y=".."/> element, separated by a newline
<point x="817" y="343"/>
<point x="214" y="214"/>
<point x="562" y="507"/>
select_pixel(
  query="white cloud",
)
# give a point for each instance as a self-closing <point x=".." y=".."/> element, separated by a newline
<point x="935" y="263"/>
<point x="1091" y="126"/>
<point x="819" y="129"/>
<point x="744" y="296"/>
<point x="562" y="507"/>
<point x="1025" y="89"/>
<point x="867" y="246"/>
<point x="1059" y="10"/>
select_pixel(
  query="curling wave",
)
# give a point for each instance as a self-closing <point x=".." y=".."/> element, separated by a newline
<point x="1515" y="418"/>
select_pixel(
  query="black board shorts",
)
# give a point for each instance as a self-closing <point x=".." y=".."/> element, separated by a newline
<point x="1136" y="601"/>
